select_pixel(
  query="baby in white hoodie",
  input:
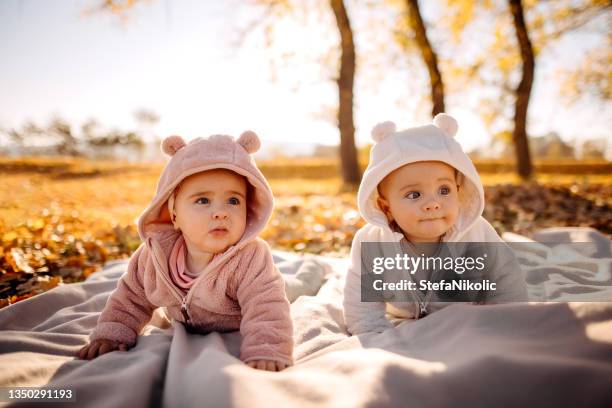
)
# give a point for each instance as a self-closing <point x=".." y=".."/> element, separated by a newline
<point x="420" y="189"/>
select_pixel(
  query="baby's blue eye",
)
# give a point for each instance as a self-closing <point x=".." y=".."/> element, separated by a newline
<point x="413" y="195"/>
<point x="234" y="201"/>
<point x="444" y="190"/>
<point x="202" y="200"/>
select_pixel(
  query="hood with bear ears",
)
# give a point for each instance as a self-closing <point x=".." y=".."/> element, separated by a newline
<point x="201" y="154"/>
<point x="435" y="142"/>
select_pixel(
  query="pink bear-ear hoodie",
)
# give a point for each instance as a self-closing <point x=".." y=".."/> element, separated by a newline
<point x="240" y="288"/>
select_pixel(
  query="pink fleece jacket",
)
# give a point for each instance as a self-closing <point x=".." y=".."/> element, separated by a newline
<point x="240" y="289"/>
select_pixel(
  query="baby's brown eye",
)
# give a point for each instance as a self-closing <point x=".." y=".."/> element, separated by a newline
<point x="444" y="190"/>
<point x="202" y="200"/>
<point x="234" y="201"/>
<point x="413" y="195"/>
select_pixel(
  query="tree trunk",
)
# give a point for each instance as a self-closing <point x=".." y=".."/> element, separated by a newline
<point x="348" y="152"/>
<point x="429" y="56"/>
<point x="523" y="91"/>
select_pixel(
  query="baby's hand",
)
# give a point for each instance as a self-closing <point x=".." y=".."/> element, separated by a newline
<point x="268" y="365"/>
<point x="100" y="346"/>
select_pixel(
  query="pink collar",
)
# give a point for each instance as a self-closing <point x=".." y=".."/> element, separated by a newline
<point x="180" y="275"/>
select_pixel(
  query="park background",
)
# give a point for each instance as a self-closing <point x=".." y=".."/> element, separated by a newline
<point x="89" y="89"/>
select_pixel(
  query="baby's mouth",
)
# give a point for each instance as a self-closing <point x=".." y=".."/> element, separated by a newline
<point x="432" y="219"/>
<point x="219" y="231"/>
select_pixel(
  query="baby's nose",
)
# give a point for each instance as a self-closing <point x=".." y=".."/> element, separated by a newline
<point x="220" y="215"/>
<point x="432" y="205"/>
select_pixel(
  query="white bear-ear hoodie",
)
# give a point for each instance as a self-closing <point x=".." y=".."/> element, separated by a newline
<point x="392" y="150"/>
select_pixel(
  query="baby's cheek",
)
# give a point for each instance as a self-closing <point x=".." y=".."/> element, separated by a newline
<point x="454" y="214"/>
<point x="238" y="218"/>
<point x="193" y="233"/>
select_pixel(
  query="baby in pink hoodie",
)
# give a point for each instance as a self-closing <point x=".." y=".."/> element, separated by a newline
<point x="201" y="258"/>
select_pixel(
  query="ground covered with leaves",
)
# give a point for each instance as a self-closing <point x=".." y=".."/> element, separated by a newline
<point x="62" y="220"/>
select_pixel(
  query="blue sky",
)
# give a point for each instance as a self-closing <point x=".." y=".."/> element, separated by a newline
<point x="177" y="59"/>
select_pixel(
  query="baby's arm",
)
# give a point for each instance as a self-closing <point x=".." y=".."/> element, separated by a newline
<point x="266" y="327"/>
<point x="361" y="317"/>
<point x="125" y="314"/>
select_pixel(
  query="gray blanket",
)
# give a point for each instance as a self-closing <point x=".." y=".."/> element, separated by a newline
<point x="535" y="354"/>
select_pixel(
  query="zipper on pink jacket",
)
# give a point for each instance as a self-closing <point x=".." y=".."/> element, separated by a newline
<point x="183" y="299"/>
<point x="184" y="310"/>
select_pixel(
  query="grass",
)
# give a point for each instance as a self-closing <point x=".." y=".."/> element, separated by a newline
<point x="116" y="192"/>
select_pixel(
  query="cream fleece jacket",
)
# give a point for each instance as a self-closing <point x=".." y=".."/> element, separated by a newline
<point x="434" y="142"/>
<point x="239" y="289"/>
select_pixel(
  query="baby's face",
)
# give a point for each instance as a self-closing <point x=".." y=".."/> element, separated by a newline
<point x="422" y="198"/>
<point x="211" y="209"/>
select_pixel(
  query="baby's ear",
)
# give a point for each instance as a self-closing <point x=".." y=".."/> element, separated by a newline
<point x="459" y="178"/>
<point x="250" y="141"/>
<point x="172" y="144"/>
<point x="384" y="206"/>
